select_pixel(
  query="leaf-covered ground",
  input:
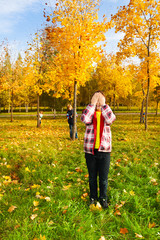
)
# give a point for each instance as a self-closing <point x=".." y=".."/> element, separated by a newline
<point x="44" y="182"/>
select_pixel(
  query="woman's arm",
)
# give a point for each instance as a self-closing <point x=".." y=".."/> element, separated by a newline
<point x="108" y="114"/>
<point x="88" y="113"/>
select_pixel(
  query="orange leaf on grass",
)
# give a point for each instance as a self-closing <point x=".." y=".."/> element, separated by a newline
<point x="151" y="225"/>
<point x="85" y="195"/>
<point x="86" y="176"/>
<point x="154" y="182"/>
<point x="17" y="226"/>
<point x="42" y="237"/>
<point x="36" y="209"/>
<point x="12" y="208"/>
<point x="123" y="230"/>
<point x="117" y="212"/>
<point x="78" y="170"/>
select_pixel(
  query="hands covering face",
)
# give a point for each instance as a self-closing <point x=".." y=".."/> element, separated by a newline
<point x="98" y="99"/>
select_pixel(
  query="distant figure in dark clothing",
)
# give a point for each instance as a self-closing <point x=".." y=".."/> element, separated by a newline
<point x="70" y="120"/>
<point x="143" y="116"/>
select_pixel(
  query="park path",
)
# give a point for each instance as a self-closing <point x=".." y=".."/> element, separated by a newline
<point x="63" y="114"/>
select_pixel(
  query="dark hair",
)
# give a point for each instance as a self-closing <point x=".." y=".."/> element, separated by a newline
<point x="98" y="92"/>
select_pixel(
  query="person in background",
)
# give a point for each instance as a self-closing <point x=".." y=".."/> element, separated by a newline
<point x="70" y="120"/>
<point x="143" y="116"/>
<point x="40" y="117"/>
<point x="98" y="117"/>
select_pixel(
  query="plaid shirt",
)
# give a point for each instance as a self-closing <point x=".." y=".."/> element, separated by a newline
<point x="90" y="133"/>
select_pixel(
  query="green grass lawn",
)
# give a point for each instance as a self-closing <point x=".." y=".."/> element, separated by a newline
<point x="44" y="182"/>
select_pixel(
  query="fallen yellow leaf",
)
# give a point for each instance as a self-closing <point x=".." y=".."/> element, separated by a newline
<point x="66" y="187"/>
<point x="35" y="203"/>
<point x="102" y="238"/>
<point x="98" y="207"/>
<point x="36" y="209"/>
<point x="138" y="236"/>
<point x="27" y="169"/>
<point x="51" y="222"/>
<point x="7" y="178"/>
<point x="33" y="216"/>
<point x="8" y="166"/>
<point x="132" y="193"/>
<point x="151" y="225"/>
<point x="12" y="208"/>
<point x="47" y="199"/>
<point x="117" y="212"/>
<point x="42" y="237"/>
<point x="154" y="182"/>
<point x="35" y="186"/>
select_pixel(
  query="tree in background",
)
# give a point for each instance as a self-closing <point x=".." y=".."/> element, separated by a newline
<point x="74" y="32"/>
<point x="37" y="66"/>
<point x="113" y="79"/>
<point x="140" y="22"/>
<point x="7" y="82"/>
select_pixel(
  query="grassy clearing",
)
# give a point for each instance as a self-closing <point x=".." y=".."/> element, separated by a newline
<point x="44" y="182"/>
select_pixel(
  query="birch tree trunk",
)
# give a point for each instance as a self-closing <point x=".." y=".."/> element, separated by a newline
<point x="12" y="106"/>
<point x="74" y="110"/>
<point x="38" y="122"/>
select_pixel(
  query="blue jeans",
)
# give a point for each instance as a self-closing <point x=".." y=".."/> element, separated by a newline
<point x="98" y="164"/>
<point x="71" y="128"/>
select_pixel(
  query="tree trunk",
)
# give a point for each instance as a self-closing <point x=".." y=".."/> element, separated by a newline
<point x="148" y="80"/>
<point x="38" y="122"/>
<point x="114" y="100"/>
<point x="157" y="108"/>
<point x="142" y="107"/>
<point x="117" y="106"/>
<point x="9" y="107"/>
<point x="54" y="113"/>
<point x="142" y="111"/>
<point x="12" y="106"/>
<point x="26" y="105"/>
<point x="74" y="110"/>
<point x="147" y="97"/>
<point x="146" y="112"/>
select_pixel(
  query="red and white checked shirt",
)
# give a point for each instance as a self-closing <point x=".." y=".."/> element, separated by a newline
<point x="89" y="118"/>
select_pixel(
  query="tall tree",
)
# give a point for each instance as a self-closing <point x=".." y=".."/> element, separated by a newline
<point x="140" y="23"/>
<point x="36" y="61"/>
<point x="74" y="32"/>
<point x="113" y="79"/>
<point x="6" y="77"/>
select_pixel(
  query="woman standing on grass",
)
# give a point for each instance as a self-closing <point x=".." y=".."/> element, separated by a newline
<point x="98" y="117"/>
